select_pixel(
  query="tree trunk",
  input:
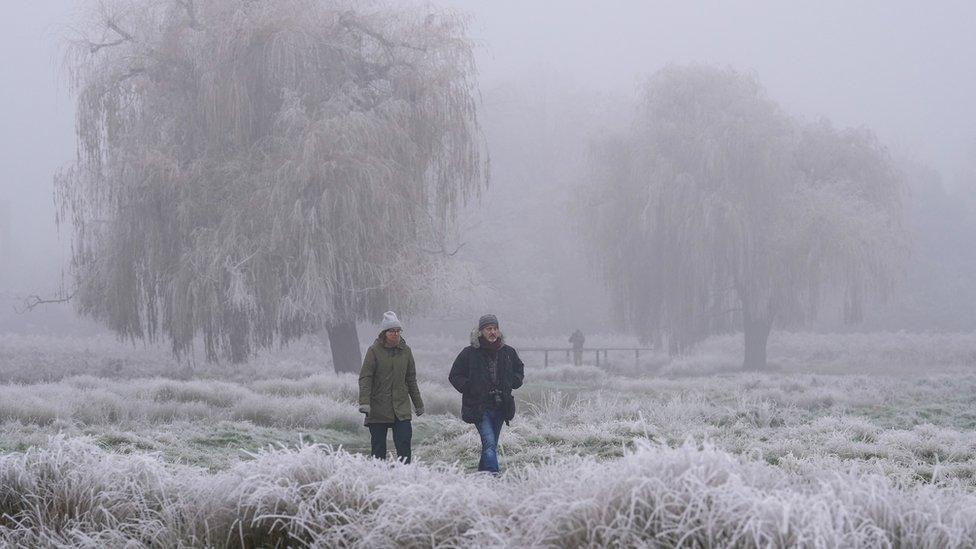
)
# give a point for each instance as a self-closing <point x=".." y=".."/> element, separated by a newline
<point x="344" y="341"/>
<point x="756" y="335"/>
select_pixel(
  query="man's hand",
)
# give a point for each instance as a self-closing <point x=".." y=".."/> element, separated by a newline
<point x="420" y="411"/>
<point x="364" y="409"/>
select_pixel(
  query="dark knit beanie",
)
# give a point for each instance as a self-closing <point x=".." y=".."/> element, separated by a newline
<point x="486" y="320"/>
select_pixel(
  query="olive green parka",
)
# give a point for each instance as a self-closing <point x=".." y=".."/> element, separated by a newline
<point x="388" y="382"/>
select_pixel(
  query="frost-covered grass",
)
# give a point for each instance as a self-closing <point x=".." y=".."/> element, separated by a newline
<point x="874" y="353"/>
<point x="33" y="359"/>
<point x="914" y="428"/>
<point x="199" y="421"/>
<point x="37" y="358"/>
<point x="797" y="455"/>
<point x="73" y="493"/>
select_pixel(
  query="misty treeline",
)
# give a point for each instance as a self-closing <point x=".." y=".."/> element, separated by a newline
<point x="718" y="211"/>
<point x="249" y="173"/>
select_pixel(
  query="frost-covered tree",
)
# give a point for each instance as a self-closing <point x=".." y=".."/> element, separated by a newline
<point x="250" y="172"/>
<point x="719" y="212"/>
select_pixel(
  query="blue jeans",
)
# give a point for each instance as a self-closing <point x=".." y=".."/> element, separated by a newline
<point x="489" y="429"/>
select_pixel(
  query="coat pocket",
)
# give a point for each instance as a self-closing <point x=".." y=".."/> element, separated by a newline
<point x="508" y="401"/>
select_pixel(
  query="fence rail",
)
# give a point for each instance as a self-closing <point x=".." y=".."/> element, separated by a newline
<point x="598" y="350"/>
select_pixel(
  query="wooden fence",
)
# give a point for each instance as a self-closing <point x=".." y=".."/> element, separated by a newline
<point x="585" y="351"/>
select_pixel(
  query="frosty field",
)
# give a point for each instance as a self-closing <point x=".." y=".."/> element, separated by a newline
<point x="852" y="440"/>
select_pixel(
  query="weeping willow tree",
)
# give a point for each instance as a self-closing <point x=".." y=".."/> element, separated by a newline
<point x="717" y="212"/>
<point x="249" y="172"/>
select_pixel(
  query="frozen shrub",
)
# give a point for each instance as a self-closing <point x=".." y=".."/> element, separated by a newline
<point x="73" y="493"/>
<point x="440" y="399"/>
<point x="213" y="393"/>
<point x="339" y="387"/>
<point x="305" y="411"/>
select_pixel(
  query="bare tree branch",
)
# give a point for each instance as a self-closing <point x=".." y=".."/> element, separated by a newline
<point x="722" y="313"/>
<point x="134" y="71"/>
<point x="443" y="251"/>
<point x="110" y="23"/>
<point x="93" y="47"/>
<point x="191" y="12"/>
<point x="33" y="301"/>
<point x="348" y="21"/>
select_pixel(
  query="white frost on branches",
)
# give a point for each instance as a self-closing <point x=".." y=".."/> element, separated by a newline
<point x="250" y="171"/>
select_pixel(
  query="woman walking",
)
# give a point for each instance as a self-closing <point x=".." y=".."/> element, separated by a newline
<point x="387" y="385"/>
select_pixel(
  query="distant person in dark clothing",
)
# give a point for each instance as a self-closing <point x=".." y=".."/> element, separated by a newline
<point x="387" y="384"/>
<point x="577" y="340"/>
<point x="485" y="373"/>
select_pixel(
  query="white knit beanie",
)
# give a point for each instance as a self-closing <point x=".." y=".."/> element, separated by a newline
<point x="390" y="320"/>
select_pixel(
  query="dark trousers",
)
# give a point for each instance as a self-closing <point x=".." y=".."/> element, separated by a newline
<point x="402" y="432"/>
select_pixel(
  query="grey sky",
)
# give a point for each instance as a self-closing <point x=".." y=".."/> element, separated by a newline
<point x="36" y="138"/>
<point x="905" y="69"/>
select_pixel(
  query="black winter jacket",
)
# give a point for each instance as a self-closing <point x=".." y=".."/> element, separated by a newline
<point x="469" y="375"/>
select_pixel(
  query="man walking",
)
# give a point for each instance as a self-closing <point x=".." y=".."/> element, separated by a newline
<point x="387" y="384"/>
<point x="577" y="340"/>
<point x="485" y="373"/>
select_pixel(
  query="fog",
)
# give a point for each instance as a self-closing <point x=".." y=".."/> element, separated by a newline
<point x="756" y="219"/>
<point x="37" y="139"/>
<point x="900" y="68"/>
<point x="555" y="79"/>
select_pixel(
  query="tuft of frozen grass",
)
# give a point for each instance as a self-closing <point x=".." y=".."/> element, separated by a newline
<point x="319" y="401"/>
<point x="337" y="386"/>
<point x="74" y="493"/>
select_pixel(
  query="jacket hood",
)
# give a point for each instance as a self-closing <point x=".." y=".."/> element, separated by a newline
<point x="476" y="333"/>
